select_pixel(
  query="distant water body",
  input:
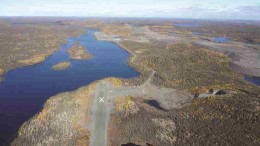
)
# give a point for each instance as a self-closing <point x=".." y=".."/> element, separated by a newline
<point x="197" y="33"/>
<point x="222" y="39"/>
<point x="254" y="80"/>
<point x="24" y="90"/>
<point x="187" y="25"/>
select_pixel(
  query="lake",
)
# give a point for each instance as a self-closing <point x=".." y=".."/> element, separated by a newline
<point x="24" y="90"/>
<point x="254" y="80"/>
<point x="187" y="25"/>
<point x="222" y="39"/>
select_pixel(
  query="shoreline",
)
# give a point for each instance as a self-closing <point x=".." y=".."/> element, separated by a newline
<point x="144" y="74"/>
<point x="33" y="61"/>
<point x="244" y="70"/>
<point x="78" y="118"/>
<point x="240" y="60"/>
<point x="51" y="98"/>
<point x="104" y="88"/>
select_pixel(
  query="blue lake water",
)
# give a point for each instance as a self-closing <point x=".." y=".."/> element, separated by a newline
<point x="197" y="33"/>
<point x="24" y="90"/>
<point x="222" y="39"/>
<point x="254" y="80"/>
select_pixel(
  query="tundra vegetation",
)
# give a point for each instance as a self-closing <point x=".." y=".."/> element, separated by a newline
<point x="248" y="32"/>
<point x="224" y="119"/>
<point x="167" y="29"/>
<point x="34" y="59"/>
<point x="28" y="41"/>
<point x="90" y="23"/>
<point x="230" y="119"/>
<point x="61" y="122"/>
<point x="117" y="29"/>
<point x="61" y="66"/>
<point x="78" y="52"/>
<point x="184" y="66"/>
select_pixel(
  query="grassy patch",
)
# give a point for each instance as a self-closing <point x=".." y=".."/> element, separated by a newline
<point x="115" y="81"/>
<point x="126" y="105"/>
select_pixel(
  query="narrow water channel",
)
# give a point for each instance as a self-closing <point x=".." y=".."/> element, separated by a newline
<point x="24" y="90"/>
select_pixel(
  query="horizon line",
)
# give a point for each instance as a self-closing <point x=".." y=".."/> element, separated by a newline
<point x="136" y="17"/>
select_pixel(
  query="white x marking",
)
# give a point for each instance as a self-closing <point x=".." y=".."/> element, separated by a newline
<point x="101" y="99"/>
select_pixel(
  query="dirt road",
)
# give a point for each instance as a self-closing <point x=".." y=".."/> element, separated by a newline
<point x="103" y="103"/>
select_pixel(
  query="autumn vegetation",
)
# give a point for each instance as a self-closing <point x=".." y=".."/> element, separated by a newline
<point x="29" y="41"/>
<point x="123" y="30"/>
<point x="239" y="31"/>
<point x="79" y="52"/>
<point x="61" y="66"/>
<point x="34" y="59"/>
<point x="230" y="119"/>
<point x="1" y="73"/>
<point x="61" y="122"/>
